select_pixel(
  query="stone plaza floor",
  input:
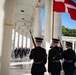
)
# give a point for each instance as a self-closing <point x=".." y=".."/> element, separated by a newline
<point x="23" y="67"/>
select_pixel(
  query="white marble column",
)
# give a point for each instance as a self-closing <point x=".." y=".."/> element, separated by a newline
<point x="57" y="25"/>
<point x="22" y="38"/>
<point x="1" y="25"/>
<point x="31" y="43"/>
<point x="32" y="29"/>
<point x="37" y="22"/>
<point x="1" y="28"/>
<point x="26" y="39"/>
<point x="47" y="24"/>
<point x="14" y="37"/>
<point x="7" y="48"/>
<point x="73" y="45"/>
<point x="64" y="45"/>
<point x="18" y="37"/>
<point x="7" y="37"/>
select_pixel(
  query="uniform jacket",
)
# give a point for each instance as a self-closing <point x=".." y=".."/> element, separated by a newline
<point x="38" y="54"/>
<point x="55" y="54"/>
<point x="69" y="55"/>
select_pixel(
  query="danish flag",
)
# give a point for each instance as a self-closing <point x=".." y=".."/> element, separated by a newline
<point x="66" y="6"/>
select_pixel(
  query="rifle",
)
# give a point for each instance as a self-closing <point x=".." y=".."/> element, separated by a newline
<point x="59" y="49"/>
<point x="32" y="39"/>
<point x="60" y="42"/>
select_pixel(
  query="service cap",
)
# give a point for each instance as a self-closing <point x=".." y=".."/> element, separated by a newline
<point x="55" y="40"/>
<point x="38" y="39"/>
<point x="68" y="43"/>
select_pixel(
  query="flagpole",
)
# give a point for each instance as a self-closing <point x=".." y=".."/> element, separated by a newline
<point x="53" y="19"/>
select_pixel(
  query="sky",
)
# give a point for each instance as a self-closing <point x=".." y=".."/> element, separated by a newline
<point x="65" y="18"/>
<point x="67" y="21"/>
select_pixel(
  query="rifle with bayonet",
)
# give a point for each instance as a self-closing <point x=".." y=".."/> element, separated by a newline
<point x="59" y="52"/>
<point x="60" y="42"/>
<point x="32" y="39"/>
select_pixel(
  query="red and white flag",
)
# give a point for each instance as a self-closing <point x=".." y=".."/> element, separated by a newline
<point x="66" y="6"/>
<point x="72" y="13"/>
<point x="70" y="2"/>
<point x="59" y="6"/>
<point x="71" y="8"/>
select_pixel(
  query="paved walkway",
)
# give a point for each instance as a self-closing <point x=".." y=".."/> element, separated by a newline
<point x="23" y="67"/>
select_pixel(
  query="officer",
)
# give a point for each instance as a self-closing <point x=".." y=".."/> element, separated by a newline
<point x="55" y="54"/>
<point x="69" y="59"/>
<point x="38" y="54"/>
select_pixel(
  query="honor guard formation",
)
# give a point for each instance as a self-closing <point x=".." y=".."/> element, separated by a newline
<point x="21" y="52"/>
<point x="58" y="59"/>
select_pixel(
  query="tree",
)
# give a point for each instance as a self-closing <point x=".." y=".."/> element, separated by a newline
<point x="68" y="32"/>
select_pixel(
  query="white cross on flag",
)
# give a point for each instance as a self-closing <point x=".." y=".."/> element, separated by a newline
<point x="65" y="6"/>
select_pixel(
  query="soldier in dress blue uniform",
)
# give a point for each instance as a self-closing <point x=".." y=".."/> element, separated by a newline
<point x="38" y="54"/>
<point x="69" y="59"/>
<point x="54" y="57"/>
<point x="16" y="52"/>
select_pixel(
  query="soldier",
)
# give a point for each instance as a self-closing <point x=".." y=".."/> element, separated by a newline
<point x="16" y="52"/>
<point x="25" y="51"/>
<point x="69" y="59"/>
<point x="54" y="57"/>
<point x="38" y="54"/>
<point x="21" y="52"/>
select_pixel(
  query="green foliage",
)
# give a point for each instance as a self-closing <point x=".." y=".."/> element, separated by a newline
<point x="68" y="32"/>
